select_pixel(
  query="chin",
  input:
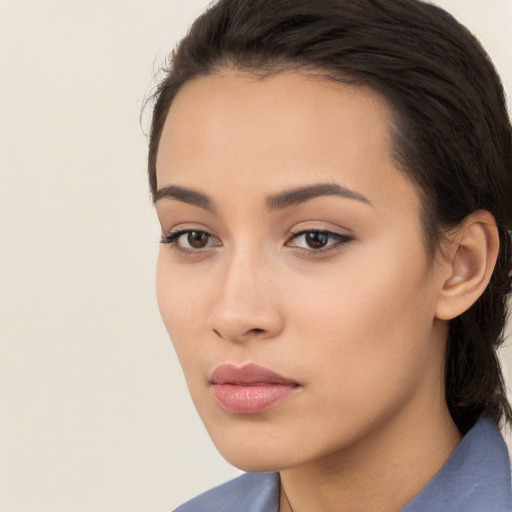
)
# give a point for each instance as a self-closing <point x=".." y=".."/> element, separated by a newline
<point x="248" y="461"/>
<point x="254" y="453"/>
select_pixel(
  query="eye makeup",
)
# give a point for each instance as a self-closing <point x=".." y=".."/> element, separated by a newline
<point x="190" y="241"/>
<point x="318" y="241"/>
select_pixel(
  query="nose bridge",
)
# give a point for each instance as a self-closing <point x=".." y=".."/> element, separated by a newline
<point x="245" y="305"/>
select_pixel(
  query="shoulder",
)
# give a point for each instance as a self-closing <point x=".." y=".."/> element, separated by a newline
<point x="251" y="492"/>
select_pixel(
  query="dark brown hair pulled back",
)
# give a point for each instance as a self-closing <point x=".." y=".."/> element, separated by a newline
<point x="452" y="132"/>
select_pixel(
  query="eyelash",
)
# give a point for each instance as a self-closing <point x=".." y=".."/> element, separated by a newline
<point x="172" y="240"/>
<point x="337" y="241"/>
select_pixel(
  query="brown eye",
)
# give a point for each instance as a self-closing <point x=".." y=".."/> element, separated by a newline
<point x="316" y="239"/>
<point x="198" y="239"/>
<point x="319" y="241"/>
<point x="191" y="240"/>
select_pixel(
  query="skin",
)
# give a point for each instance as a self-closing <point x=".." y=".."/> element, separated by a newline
<point x="360" y="324"/>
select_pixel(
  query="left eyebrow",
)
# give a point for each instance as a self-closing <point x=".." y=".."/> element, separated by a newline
<point x="300" y="195"/>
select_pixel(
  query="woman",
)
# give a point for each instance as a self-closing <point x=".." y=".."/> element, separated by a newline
<point x="333" y="181"/>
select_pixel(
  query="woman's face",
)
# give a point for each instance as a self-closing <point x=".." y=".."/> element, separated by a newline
<point x="294" y="282"/>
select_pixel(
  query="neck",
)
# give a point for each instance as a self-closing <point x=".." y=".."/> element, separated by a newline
<point x="380" y="473"/>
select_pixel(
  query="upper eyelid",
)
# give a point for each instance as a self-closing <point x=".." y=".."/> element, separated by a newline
<point x="184" y="227"/>
<point x="294" y="232"/>
<point x="177" y="233"/>
<point x="317" y="230"/>
<point x="334" y="234"/>
<point x="332" y="248"/>
<point x="172" y="239"/>
<point x="320" y="225"/>
<point x="340" y="240"/>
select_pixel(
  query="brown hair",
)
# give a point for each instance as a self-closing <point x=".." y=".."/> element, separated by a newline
<point x="452" y="132"/>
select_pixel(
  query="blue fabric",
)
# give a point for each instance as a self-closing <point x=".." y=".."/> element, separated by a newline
<point x="251" y="492"/>
<point x="476" y="478"/>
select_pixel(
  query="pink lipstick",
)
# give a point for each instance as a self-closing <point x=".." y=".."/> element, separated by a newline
<point x="249" y="389"/>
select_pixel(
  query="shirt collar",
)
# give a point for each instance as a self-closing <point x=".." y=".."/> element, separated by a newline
<point x="476" y="478"/>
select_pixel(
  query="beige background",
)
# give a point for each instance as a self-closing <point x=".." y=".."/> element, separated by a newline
<point x="94" y="413"/>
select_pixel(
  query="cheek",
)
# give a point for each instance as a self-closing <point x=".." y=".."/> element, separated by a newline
<point x="166" y="292"/>
<point x="180" y="301"/>
<point x="370" y="316"/>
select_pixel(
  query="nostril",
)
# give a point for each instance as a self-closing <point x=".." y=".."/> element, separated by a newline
<point x="239" y="336"/>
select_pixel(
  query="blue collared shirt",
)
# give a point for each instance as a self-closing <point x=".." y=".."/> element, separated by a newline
<point x="476" y="478"/>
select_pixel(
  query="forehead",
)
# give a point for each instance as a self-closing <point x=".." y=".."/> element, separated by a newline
<point x="289" y="129"/>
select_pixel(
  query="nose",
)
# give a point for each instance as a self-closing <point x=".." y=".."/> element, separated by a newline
<point x="246" y="305"/>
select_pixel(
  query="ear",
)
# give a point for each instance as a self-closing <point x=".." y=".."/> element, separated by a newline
<point x="468" y="264"/>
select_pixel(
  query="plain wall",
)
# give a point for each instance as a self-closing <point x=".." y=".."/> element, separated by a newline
<point x="94" y="412"/>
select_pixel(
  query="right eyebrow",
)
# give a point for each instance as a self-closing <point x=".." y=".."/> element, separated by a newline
<point x="185" y="195"/>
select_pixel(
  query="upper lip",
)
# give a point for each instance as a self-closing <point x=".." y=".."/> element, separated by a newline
<point x="248" y="375"/>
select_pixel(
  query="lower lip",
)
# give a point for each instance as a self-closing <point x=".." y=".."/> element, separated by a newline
<point x="251" y="399"/>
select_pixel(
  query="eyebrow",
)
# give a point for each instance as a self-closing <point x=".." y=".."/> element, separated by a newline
<point x="185" y="195"/>
<point x="300" y="195"/>
<point x="278" y="201"/>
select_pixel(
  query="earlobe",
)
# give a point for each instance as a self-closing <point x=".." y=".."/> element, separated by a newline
<point x="468" y="265"/>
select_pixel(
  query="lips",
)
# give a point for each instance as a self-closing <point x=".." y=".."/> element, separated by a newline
<point x="250" y="389"/>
